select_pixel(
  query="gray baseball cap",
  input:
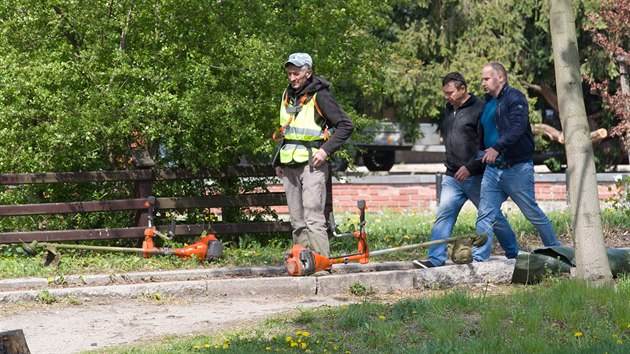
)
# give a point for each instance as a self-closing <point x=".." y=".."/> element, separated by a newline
<point x="299" y="60"/>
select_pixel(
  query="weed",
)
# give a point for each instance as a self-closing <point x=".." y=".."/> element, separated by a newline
<point x="358" y="289"/>
<point x="45" y="297"/>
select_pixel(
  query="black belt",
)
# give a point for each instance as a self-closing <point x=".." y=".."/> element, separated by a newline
<point x="506" y="165"/>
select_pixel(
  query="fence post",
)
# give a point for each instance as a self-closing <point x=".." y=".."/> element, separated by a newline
<point x="143" y="189"/>
<point x="438" y="188"/>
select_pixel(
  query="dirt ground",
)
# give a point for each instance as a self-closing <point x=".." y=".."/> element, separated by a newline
<point x="76" y="327"/>
<point x="71" y="328"/>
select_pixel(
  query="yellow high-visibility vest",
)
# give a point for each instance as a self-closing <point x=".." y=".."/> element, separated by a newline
<point x="301" y="130"/>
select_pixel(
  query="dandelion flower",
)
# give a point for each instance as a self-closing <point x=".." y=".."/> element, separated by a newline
<point x="303" y="345"/>
<point x="294" y="344"/>
<point x="381" y="317"/>
<point x="619" y="341"/>
<point x="344" y="307"/>
<point x="577" y="334"/>
<point x="267" y="348"/>
<point x="207" y="346"/>
<point x="298" y="333"/>
<point x="306" y="334"/>
<point x="273" y="337"/>
<point x="196" y="347"/>
<point x="225" y="346"/>
<point x="288" y="339"/>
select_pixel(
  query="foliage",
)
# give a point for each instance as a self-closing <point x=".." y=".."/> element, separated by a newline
<point x="610" y="28"/>
<point x="620" y="203"/>
<point x="197" y="84"/>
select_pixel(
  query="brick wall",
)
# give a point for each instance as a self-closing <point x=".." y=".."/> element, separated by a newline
<point x="400" y="193"/>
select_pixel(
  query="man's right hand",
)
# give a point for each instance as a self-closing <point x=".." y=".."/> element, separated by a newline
<point x="279" y="172"/>
<point x="461" y="174"/>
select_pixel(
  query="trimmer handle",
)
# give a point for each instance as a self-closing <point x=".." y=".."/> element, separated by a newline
<point x="150" y="209"/>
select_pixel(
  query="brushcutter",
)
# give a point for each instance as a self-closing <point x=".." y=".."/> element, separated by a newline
<point x="207" y="247"/>
<point x="300" y="260"/>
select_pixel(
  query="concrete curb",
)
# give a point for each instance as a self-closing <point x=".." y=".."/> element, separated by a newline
<point x="263" y="281"/>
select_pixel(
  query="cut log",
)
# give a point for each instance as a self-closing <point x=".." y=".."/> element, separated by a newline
<point x="555" y="135"/>
<point x="13" y="342"/>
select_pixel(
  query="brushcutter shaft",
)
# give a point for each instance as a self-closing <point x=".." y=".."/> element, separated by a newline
<point x="95" y="248"/>
<point x="413" y="246"/>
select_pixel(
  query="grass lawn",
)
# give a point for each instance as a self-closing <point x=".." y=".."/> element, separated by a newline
<point x="556" y="316"/>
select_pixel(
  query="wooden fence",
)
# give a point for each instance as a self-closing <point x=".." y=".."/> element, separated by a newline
<point x="143" y="178"/>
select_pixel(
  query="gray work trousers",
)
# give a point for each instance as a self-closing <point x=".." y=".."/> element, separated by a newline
<point x="305" y="187"/>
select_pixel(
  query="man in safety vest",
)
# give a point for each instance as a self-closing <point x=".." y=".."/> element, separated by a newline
<point x="308" y="109"/>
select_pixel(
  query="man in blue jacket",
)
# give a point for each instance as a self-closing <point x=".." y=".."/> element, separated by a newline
<point x="507" y="146"/>
<point x="462" y="180"/>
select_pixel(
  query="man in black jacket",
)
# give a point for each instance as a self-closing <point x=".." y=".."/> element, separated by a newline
<point x="307" y="110"/>
<point x="462" y="181"/>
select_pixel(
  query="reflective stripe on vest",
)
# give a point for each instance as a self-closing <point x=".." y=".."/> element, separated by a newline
<point x="303" y="127"/>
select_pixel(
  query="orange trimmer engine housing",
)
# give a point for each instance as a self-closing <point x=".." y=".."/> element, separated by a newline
<point x="301" y="261"/>
<point x="206" y="247"/>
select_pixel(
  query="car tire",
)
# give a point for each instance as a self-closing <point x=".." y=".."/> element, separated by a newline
<point x="378" y="160"/>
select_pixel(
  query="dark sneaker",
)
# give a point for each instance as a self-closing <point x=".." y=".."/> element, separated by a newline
<point x="422" y="264"/>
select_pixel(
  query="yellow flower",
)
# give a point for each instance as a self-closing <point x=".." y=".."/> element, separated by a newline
<point x="196" y="347"/>
<point x="619" y="341"/>
<point x="298" y="333"/>
<point x="577" y="334"/>
<point x="227" y="340"/>
<point x="413" y="312"/>
<point x="344" y="307"/>
<point x="50" y="280"/>
<point x="273" y="337"/>
<point x="306" y="334"/>
<point x="267" y="348"/>
<point x="303" y="345"/>
<point x="294" y="344"/>
<point x="288" y="339"/>
<point x="157" y="296"/>
<point x="225" y="346"/>
<point x="216" y="346"/>
<point x="207" y="346"/>
<point x="381" y="317"/>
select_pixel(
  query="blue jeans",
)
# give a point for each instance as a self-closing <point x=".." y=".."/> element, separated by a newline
<point x="454" y="195"/>
<point x="516" y="182"/>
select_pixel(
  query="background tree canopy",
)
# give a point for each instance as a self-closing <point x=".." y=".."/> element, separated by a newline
<point x="198" y="83"/>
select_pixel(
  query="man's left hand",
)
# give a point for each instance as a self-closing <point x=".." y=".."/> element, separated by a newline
<point x="319" y="158"/>
<point x="462" y="174"/>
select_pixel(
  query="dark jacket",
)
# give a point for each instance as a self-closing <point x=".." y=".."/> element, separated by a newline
<point x="462" y="134"/>
<point x="516" y="142"/>
<point x="334" y="115"/>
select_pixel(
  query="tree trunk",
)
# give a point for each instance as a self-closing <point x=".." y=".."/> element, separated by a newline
<point x="590" y="251"/>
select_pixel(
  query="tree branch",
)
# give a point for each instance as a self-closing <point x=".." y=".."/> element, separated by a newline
<point x="68" y="29"/>
<point x="555" y="135"/>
